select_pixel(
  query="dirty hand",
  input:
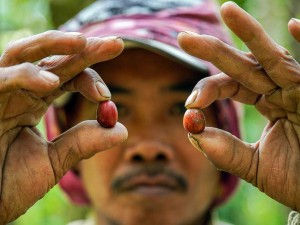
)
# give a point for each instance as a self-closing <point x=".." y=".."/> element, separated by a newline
<point x="268" y="77"/>
<point x="33" y="72"/>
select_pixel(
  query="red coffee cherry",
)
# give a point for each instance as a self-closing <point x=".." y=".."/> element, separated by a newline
<point x="107" y="114"/>
<point x="194" y="121"/>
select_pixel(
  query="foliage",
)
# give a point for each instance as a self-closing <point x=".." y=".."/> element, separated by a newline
<point x="19" y="18"/>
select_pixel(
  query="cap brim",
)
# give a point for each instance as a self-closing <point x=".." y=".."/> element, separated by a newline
<point x="167" y="51"/>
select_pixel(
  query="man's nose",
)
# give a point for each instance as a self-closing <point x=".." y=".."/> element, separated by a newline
<point x="149" y="151"/>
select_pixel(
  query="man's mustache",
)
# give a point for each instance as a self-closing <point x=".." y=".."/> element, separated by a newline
<point x="150" y="170"/>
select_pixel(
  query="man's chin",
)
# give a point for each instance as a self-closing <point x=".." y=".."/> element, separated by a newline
<point x="154" y="200"/>
<point x="149" y="206"/>
<point x="147" y="214"/>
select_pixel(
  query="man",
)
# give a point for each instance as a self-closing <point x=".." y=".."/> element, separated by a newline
<point x="155" y="174"/>
<point x="136" y="75"/>
<point x="153" y="177"/>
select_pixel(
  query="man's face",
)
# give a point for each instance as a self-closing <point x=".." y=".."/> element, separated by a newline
<point x="156" y="176"/>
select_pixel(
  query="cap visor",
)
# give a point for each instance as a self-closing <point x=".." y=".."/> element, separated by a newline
<point x="167" y="51"/>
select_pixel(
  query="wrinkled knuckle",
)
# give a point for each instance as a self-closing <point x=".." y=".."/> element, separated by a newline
<point x="27" y="69"/>
<point x="267" y="63"/>
<point x="283" y="57"/>
<point x="254" y="68"/>
<point x="283" y="52"/>
<point x="251" y="61"/>
<point x="272" y="66"/>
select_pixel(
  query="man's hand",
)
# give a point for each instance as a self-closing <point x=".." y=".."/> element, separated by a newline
<point x="29" y="81"/>
<point x="267" y="77"/>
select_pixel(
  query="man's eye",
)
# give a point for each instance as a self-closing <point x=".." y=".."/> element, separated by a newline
<point x="178" y="109"/>
<point x="122" y="110"/>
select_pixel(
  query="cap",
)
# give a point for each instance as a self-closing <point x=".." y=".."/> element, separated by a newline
<point x="153" y="25"/>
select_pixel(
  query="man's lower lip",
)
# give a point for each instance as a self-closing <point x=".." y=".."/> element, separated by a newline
<point x="151" y="190"/>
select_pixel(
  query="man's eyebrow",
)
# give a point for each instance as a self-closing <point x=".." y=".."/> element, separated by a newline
<point x="185" y="86"/>
<point x="118" y="90"/>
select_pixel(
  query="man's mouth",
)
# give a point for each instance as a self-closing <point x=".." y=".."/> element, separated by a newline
<point x="144" y="184"/>
<point x="150" y="181"/>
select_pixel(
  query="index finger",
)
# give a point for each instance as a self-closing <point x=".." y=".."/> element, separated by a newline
<point x="294" y="28"/>
<point x="277" y="62"/>
<point x="96" y="50"/>
<point x="39" y="46"/>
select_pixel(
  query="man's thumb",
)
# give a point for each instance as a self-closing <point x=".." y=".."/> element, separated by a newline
<point x="81" y="142"/>
<point x="227" y="152"/>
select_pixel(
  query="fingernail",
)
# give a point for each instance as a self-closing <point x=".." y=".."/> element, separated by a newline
<point x="191" y="99"/>
<point x="296" y="20"/>
<point x="188" y="32"/>
<point x="112" y="38"/>
<point x="230" y="3"/>
<point x="196" y="143"/>
<point x="49" y="76"/>
<point x="78" y="34"/>
<point x="118" y="39"/>
<point x="103" y="90"/>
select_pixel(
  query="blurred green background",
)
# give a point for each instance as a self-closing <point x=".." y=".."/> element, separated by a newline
<point x="20" y="18"/>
